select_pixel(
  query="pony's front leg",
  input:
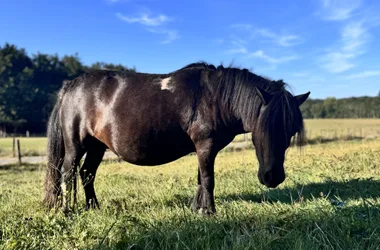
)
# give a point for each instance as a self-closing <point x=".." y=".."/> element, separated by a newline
<point x="204" y="197"/>
<point x="198" y="195"/>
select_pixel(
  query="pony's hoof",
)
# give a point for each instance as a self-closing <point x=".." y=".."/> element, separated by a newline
<point x="92" y="204"/>
<point x="208" y="211"/>
<point x="195" y="207"/>
<point x="66" y="210"/>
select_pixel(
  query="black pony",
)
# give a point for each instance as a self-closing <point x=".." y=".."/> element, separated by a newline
<point x="153" y="119"/>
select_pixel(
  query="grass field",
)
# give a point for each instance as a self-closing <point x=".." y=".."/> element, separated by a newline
<point x="31" y="146"/>
<point x="330" y="200"/>
<point x="318" y="130"/>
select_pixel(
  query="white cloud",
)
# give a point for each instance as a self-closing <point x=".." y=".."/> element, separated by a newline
<point x="265" y="33"/>
<point x="171" y="35"/>
<point x="354" y="37"/>
<point x="261" y="54"/>
<point x="238" y="41"/>
<point x="338" y="10"/>
<point x="337" y="62"/>
<point x="364" y="74"/>
<point x="153" y="25"/>
<point x="145" y="19"/>
<point x="290" y="40"/>
<point x="355" y="33"/>
<point x="242" y="49"/>
<point x="284" y="40"/>
<point x="239" y="46"/>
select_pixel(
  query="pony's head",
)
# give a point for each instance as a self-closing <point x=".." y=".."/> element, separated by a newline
<point x="279" y="121"/>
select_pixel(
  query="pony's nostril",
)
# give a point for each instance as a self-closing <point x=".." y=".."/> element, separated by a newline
<point x="268" y="177"/>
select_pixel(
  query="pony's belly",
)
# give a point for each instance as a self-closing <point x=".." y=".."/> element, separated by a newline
<point x="145" y="157"/>
<point x="156" y="153"/>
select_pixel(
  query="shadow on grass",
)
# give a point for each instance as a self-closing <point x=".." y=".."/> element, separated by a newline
<point x="321" y="140"/>
<point x="335" y="192"/>
<point x="336" y="227"/>
<point x="242" y="145"/>
<point x="351" y="189"/>
<point x="15" y="168"/>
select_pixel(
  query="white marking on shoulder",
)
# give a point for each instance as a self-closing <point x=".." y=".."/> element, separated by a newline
<point x="165" y="84"/>
<point x="121" y="80"/>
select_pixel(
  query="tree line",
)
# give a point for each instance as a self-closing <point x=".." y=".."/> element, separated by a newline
<point x="353" y="107"/>
<point x="29" y="84"/>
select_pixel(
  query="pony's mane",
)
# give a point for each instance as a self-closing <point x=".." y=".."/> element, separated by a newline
<point x="236" y="89"/>
<point x="241" y="75"/>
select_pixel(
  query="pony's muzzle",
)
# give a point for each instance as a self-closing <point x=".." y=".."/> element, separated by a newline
<point x="271" y="179"/>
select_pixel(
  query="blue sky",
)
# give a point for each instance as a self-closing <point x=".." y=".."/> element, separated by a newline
<point x="328" y="47"/>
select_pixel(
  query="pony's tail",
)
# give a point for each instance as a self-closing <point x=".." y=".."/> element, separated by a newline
<point x="55" y="155"/>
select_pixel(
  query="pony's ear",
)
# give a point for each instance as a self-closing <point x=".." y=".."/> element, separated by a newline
<point x="265" y="96"/>
<point x="302" y="98"/>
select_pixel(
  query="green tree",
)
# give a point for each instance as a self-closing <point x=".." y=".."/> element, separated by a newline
<point x="28" y="85"/>
<point x="48" y="75"/>
<point x="16" y="71"/>
<point x="110" y="66"/>
<point x="73" y="66"/>
<point x="330" y="104"/>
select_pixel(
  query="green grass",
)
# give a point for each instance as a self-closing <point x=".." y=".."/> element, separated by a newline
<point x="32" y="146"/>
<point x="330" y="200"/>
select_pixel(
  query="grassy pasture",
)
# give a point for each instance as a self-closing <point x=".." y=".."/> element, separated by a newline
<point x="31" y="146"/>
<point x="320" y="130"/>
<point x="330" y="200"/>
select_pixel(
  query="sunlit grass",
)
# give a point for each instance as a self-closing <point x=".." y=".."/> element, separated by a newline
<point x="336" y="129"/>
<point x="31" y="146"/>
<point x="330" y="200"/>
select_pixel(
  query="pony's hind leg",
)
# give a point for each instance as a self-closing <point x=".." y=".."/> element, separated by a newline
<point x="72" y="159"/>
<point x="88" y="172"/>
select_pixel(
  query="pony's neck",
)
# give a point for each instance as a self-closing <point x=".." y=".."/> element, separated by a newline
<point x="237" y="97"/>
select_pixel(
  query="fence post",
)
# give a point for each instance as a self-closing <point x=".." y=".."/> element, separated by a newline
<point x="14" y="147"/>
<point x="18" y="152"/>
